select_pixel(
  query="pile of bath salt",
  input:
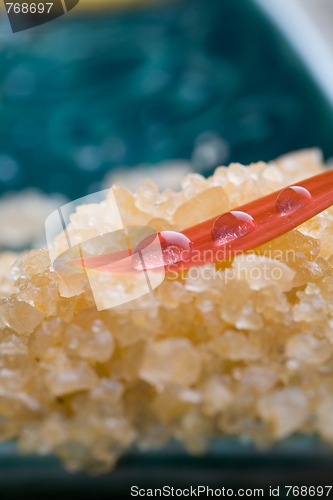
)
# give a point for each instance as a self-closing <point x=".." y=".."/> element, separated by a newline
<point x="200" y="357"/>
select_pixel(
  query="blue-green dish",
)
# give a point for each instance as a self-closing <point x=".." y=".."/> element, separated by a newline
<point x="84" y="94"/>
<point x="229" y="463"/>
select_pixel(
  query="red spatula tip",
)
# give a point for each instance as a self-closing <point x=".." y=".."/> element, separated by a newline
<point x="241" y="229"/>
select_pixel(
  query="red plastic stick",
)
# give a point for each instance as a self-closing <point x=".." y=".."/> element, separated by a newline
<point x="271" y="216"/>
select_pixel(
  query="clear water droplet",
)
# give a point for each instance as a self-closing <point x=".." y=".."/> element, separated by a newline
<point x="292" y="198"/>
<point x="162" y="249"/>
<point x="232" y="225"/>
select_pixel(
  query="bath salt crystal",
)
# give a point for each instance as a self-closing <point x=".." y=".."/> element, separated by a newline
<point x="192" y="184"/>
<point x="146" y="196"/>
<point x="173" y="293"/>
<point x="219" y="177"/>
<point x="71" y="285"/>
<point x="328" y="330"/>
<point x="216" y="395"/>
<point x="248" y="318"/>
<point x="208" y="203"/>
<point x="166" y="205"/>
<point x="289" y="164"/>
<point x="245" y="318"/>
<point x="108" y="391"/>
<point x="35" y="263"/>
<point x="190" y="396"/>
<point x="7" y="260"/>
<point x="205" y="306"/>
<point x="43" y="295"/>
<point x="20" y="316"/>
<point x="308" y="349"/>
<point x="311" y="306"/>
<point x="237" y="174"/>
<point x="168" y="406"/>
<point x="284" y="410"/>
<point x="235" y="346"/>
<point x="13" y="346"/>
<point x="260" y="378"/>
<point x="46" y="336"/>
<point x="11" y="380"/>
<point x="262" y="272"/>
<point x="128" y="210"/>
<point x="193" y="430"/>
<point x="65" y="376"/>
<point x="94" y="343"/>
<point x="171" y="361"/>
<point x="199" y="279"/>
<point x="273" y="174"/>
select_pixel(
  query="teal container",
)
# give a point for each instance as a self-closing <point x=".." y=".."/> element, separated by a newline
<point x="229" y="463"/>
<point x="84" y="94"/>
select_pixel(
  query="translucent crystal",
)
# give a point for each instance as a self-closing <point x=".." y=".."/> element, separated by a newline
<point x="171" y="361"/>
<point x="236" y="347"/>
<point x="312" y="306"/>
<point x="94" y="343"/>
<point x="308" y="349"/>
<point x="284" y="410"/>
<point x="46" y="336"/>
<point x="207" y="203"/>
<point x="20" y="316"/>
<point x="217" y="396"/>
<point x="259" y="378"/>
<point x="170" y="404"/>
<point x="290" y="164"/>
<point x="263" y="272"/>
<point x="7" y="260"/>
<point x="65" y="376"/>
<point x="12" y="346"/>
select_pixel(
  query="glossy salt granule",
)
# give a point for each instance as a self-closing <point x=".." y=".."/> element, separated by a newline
<point x="238" y="348"/>
<point x="172" y="361"/>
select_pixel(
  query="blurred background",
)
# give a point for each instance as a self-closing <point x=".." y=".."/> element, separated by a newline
<point x="117" y="84"/>
<point x="122" y="90"/>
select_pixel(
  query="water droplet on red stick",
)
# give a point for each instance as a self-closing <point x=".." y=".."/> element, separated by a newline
<point x="292" y="198"/>
<point x="232" y="225"/>
<point x="162" y="249"/>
